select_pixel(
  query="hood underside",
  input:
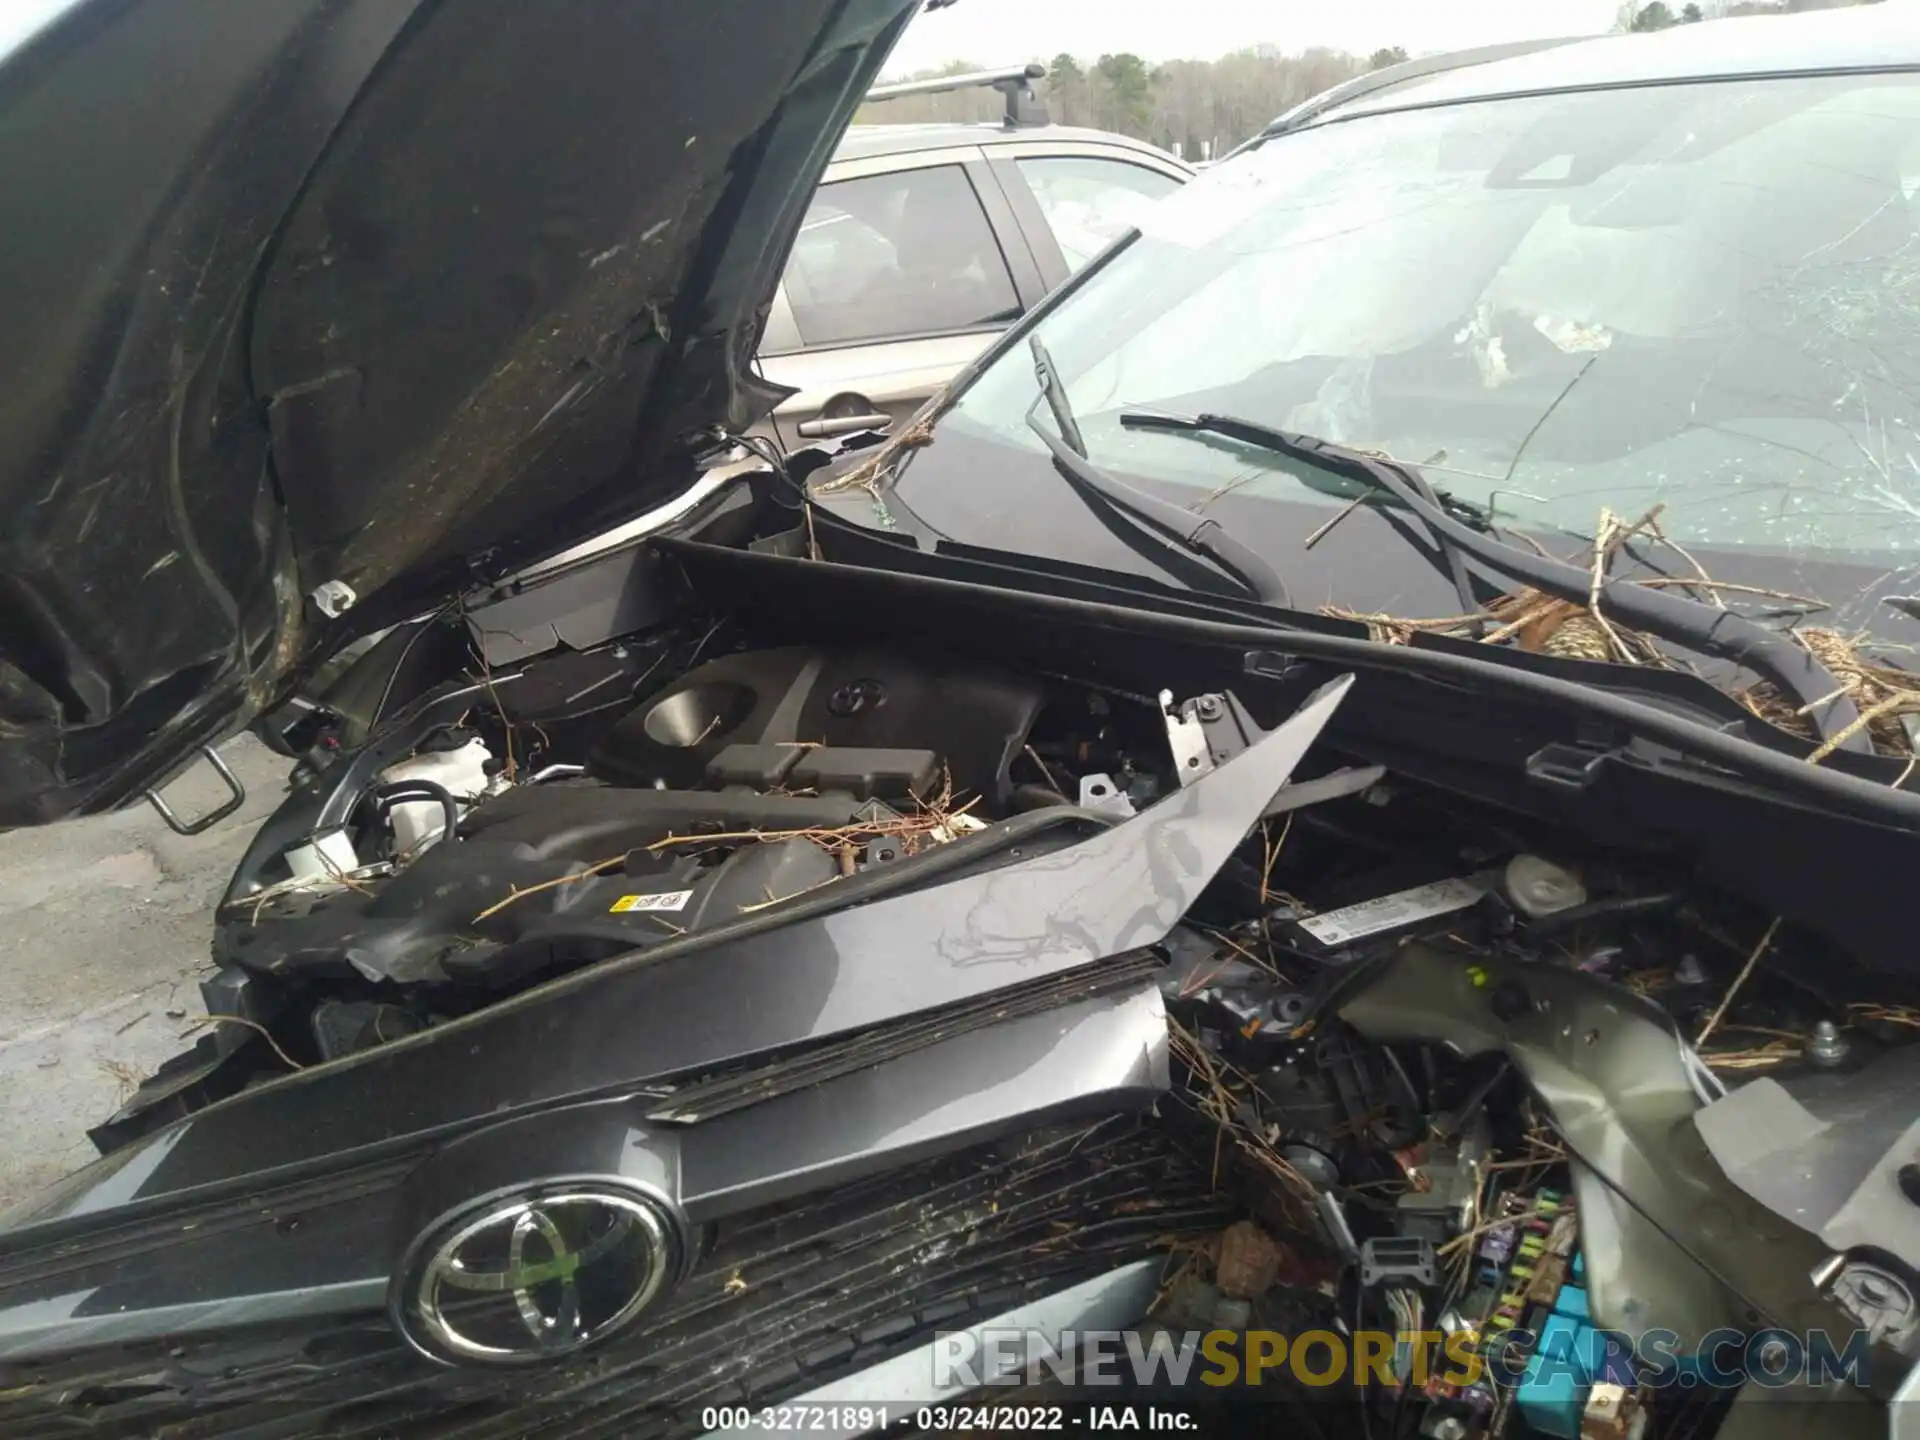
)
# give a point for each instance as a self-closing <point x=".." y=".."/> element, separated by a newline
<point x="379" y="292"/>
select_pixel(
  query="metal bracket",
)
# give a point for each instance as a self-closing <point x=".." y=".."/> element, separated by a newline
<point x="1187" y="738"/>
<point x="1099" y="792"/>
<point x="1206" y="732"/>
<point x="235" y="790"/>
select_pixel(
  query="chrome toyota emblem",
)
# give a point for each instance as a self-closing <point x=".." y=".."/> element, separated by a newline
<point x="535" y="1276"/>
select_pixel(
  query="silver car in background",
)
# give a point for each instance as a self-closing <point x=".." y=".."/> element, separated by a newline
<point x="926" y="241"/>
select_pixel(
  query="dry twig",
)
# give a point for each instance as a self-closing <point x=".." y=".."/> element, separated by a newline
<point x="1866" y="717"/>
<point x="932" y="824"/>
<point x="261" y="1030"/>
<point x="936" y="821"/>
<point x="1886" y="695"/>
<point x="1885" y="1014"/>
<point x="1323" y="531"/>
<point x="1215" y="1099"/>
<point x="1606" y="539"/>
<point x="1271" y="856"/>
<point x="1774" y="1052"/>
<point x="1041" y="765"/>
<point x="597" y="868"/>
<point x="511" y="770"/>
<point x="1699" y="570"/>
<point x="125" y="1078"/>
<point x="1720" y="1010"/>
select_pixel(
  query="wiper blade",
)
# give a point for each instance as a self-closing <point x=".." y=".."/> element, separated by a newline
<point x="1055" y="394"/>
<point x="1196" y="534"/>
<point x="1671" y="617"/>
<point x="1450" y="559"/>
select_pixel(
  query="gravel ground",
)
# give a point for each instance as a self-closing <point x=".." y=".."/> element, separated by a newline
<point x="104" y="926"/>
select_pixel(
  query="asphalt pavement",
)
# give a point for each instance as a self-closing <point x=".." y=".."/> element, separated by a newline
<point x="104" y="925"/>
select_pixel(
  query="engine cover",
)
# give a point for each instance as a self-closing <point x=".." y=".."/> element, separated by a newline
<point x="974" y="719"/>
<point x="442" y="920"/>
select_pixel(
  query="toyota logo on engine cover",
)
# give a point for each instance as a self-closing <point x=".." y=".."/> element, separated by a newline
<point x="536" y="1276"/>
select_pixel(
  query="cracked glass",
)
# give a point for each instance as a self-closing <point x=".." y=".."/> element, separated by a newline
<point x="1702" y="296"/>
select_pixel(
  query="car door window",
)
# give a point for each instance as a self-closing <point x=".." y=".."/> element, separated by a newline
<point x="884" y="257"/>
<point x="1090" y="202"/>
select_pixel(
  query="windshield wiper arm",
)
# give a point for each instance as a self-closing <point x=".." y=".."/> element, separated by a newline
<point x="1450" y="559"/>
<point x="1196" y="534"/>
<point x="1672" y="617"/>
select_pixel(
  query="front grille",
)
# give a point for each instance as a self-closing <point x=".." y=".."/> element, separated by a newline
<point x="757" y="1082"/>
<point x="68" y="1255"/>
<point x="783" y="1300"/>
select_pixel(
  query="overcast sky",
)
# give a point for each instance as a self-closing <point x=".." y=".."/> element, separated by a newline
<point x="20" y="18"/>
<point x="1006" y="32"/>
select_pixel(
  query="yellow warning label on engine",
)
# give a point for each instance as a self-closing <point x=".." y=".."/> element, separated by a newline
<point x="670" y="900"/>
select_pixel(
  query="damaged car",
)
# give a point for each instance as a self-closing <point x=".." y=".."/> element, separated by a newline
<point x="1352" y="776"/>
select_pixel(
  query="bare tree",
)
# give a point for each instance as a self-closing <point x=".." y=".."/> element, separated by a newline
<point x="1209" y="106"/>
<point x="1201" y="106"/>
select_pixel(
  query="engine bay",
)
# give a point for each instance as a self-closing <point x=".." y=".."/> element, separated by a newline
<point x="748" y="781"/>
<point x="1436" y="1051"/>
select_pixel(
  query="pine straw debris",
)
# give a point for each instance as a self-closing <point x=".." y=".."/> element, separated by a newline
<point x="1871" y="1013"/>
<point x="1222" y="1094"/>
<point x="1883" y="693"/>
<point x="914" y="832"/>
<point x="935" y="821"/>
<point x="1868" y="1017"/>
<point x="1759" y="1057"/>
<point x="1527" y="619"/>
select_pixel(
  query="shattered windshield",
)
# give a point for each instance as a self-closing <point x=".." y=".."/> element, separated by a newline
<point x="1704" y="297"/>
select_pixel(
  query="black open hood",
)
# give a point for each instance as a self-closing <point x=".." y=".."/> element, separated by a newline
<point x="396" y="294"/>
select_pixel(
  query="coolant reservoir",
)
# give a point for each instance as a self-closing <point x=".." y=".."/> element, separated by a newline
<point x="461" y="772"/>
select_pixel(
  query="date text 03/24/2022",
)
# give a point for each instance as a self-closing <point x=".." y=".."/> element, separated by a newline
<point x="1011" y="1419"/>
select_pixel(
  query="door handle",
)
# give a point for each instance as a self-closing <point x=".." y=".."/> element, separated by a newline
<point x="841" y="425"/>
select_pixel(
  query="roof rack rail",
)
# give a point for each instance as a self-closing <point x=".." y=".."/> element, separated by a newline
<point x="1417" y="68"/>
<point x="1024" y="108"/>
